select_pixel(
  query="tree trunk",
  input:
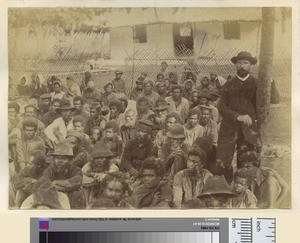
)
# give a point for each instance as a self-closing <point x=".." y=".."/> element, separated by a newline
<point x="265" y="66"/>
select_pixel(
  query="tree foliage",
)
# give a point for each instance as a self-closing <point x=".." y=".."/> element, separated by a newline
<point x="66" y="19"/>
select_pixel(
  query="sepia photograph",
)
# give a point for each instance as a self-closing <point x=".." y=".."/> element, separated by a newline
<point x="149" y="108"/>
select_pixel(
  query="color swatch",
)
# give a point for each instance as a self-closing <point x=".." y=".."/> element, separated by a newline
<point x="129" y="237"/>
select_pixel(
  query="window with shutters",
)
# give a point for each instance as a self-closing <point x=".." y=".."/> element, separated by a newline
<point x="140" y="34"/>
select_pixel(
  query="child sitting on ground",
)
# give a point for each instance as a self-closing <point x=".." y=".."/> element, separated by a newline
<point x="240" y="186"/>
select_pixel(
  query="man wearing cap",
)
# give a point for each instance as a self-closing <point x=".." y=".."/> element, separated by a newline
<point x="138" y="149"/>
<point x="58" y="129"/>
<point x="159" y="117"/>
<point x="65" y="176"/>
<point x="238" y="109"/>
<point x="95" y="171"/>
<point x="174" y="151"/>
<point x="188" y="183"/>
<point x="204" y="99"/>
<point x="177" y="103"/>
<point x="148" y="92"/>
<point x="119" y="83"/>
<point x="53" y="113"/>
<point x="57" y="90"/>
<point x="138" y="89"/>
<point x="44" y="105"/>
<point x="161" y="137"/>
<point x="80" y="154"/>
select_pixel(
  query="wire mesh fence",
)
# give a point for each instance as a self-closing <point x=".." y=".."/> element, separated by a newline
<point x="65" y="60"/>
<point x="217" y="61"/>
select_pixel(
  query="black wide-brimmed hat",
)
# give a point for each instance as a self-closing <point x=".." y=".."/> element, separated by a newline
<point x="244" y="55"/>
<point x="216" y="185"/>
<point x="177" y="131"/>
<point x="101" y="150"/>
<point x="160" y="104"/>
<point x="66" y="105"/>
<point x="63" y="148"/>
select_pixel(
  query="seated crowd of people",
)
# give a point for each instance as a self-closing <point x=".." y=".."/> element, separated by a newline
<point x="74" y="147"/>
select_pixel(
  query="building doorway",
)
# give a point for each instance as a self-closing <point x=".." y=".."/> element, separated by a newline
<point x="183" y="39"/>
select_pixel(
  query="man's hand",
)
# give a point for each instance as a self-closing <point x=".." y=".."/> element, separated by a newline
<point x="99" y="176"/>
<point x="58" y="187"/>
<point x="246" y="119"/>
<point x="156" y="199"/>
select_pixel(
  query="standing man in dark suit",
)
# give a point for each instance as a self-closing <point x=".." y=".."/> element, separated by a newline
<point x="238" y="129"/>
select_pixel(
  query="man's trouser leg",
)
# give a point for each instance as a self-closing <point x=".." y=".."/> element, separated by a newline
<point x="224" y="157"/>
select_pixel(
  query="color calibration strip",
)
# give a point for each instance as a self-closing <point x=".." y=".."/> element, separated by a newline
<point x="129" y="237"/>
<point x="153" y="230"/>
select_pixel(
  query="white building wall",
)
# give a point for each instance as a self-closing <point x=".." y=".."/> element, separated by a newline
<point x="159" y="38"/>
<point x="209" y="37"/>
<point x="121" y="42"/>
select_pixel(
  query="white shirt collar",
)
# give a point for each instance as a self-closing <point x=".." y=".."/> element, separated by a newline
<point x="243" y="79"/>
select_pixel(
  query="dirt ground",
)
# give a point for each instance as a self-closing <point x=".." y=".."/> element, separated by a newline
<point x="277" y="141"/>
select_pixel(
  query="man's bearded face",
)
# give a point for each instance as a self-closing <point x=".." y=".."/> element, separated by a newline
<point x="113" y="112"/>
<point x="161" y="115"/>
<point x="61" y="164"/>
<point x="243" y="68"/>
<point x="66" y="115"/>
<point x="130" y="119"/>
